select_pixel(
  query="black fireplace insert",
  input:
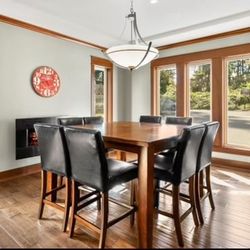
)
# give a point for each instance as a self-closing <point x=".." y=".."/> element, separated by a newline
<point x="26" y="139"/>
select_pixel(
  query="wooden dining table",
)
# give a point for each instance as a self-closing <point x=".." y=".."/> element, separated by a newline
<point x="144" y="139"/>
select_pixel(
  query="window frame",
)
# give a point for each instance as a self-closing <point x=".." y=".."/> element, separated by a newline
<point x="104" y="63"/>
<point x="218" y="88"/>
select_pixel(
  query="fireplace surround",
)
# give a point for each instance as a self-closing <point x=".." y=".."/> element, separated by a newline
<point x="26" y="140"/>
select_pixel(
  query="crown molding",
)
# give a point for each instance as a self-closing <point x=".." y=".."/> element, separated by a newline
<point x="206" y="38"/>
<point x="25" y="25"/>
<point x="48" y="32"/>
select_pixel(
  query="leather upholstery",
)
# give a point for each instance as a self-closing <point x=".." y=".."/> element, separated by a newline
<point x="205" y="151"/>
<point x="67" y="121"/>
<point x="179" y="120"/>
<point x="178" y="167"/>
<point x="53" y="150"/>
<point x="89" y="165"/>
<point x="93" y="120"/>
<point x="150" y="118"/>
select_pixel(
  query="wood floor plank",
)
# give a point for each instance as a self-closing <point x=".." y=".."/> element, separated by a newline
<point x="228" y="226"/>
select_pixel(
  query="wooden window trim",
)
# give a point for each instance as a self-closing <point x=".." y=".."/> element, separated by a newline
<point x="109" y="66"/>
<point x="217" y="56"/>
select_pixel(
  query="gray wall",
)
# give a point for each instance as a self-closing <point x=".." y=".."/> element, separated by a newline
<point x="21" y="51"/>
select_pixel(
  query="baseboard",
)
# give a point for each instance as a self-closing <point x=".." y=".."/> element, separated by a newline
<point x="217" y="162"/>
<point x="224" y="163"/>
<point x="14" y="173"/>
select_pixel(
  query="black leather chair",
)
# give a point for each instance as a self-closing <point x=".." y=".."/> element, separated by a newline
<point x="89" y="166"/>
<point x="67" y="121"/>
<point x="204" y="163"/>
<point x="179" y="120"/>
<point x="54" y="159"/>
<point x="176" y="169"/>
<point x="93" y="120"/>
<point x="150" y="118"/>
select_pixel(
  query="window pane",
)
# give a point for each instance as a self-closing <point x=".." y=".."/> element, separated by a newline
<point x="99" y="94"/>
<point x="200" y="91"/>
<point x="238" y="101"/>
<point x="167" y="91"/>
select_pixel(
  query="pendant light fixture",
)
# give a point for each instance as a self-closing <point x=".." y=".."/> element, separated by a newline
<point x="137" y="52"/>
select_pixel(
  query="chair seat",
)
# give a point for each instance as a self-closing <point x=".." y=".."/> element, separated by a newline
<point x="120" y="172"/>
<point x="163" y="168"/>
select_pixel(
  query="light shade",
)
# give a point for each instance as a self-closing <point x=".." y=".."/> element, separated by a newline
<point x="130" y="55"/>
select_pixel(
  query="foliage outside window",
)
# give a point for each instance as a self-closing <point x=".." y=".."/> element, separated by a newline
<point x="168" y="91"/>
<point x="200" y="94"/>
<point x="99" y="99"/>
<point x="238" y="101"/>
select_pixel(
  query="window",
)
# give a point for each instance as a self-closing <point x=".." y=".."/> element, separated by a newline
<point x="102" y="88"/>
<point x="99" y="89"/>
<point x="199" y="80"/>
<point x="212" y="85"/>
<point x="167" y="90"/>
<point x="238" y="101"/>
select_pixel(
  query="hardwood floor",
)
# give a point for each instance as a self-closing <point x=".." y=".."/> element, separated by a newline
<point x="228" y="226"/>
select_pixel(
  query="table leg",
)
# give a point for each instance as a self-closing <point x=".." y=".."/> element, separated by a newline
<point x="145" y="198"/>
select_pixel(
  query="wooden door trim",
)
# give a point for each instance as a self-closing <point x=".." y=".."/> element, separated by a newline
<point x="109" y="66"/>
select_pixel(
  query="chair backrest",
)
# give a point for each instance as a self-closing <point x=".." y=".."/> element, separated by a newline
<point x="53" y="149"/>
<point x="67" y="121"/>
<point x="150" y="118"/>
<point x="187" y="153"/>
<point x="93" y="120"/>
<point x="87" y="157"/>
<point x="179" y="120"/>
<point x="206" y="146"/>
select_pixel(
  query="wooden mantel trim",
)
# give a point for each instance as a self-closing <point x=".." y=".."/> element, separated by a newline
<point x="48" y="32"/>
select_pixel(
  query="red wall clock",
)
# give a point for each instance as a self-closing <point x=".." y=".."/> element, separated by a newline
<point x="45" y="81"/>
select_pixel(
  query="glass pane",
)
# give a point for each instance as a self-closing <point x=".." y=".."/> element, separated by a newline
<point x="167" y="91"/>
<point x="200" y="94"/>
<point x="238" y="101"/>
<point x="99" y="103"/>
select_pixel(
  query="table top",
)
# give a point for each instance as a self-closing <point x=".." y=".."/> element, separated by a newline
<point x="136" y="132"/>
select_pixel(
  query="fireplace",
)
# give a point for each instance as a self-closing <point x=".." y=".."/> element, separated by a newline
<point x="26" y="139"/>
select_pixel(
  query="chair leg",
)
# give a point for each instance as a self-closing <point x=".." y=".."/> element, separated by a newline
<point x="75" y="197"/>
<point x="156" y="194"/>
<point x="99" y="204"/>
<point x="132" y="200"/>
<point x="209" y="188"/>
<point x="197" y="198"/>
<point x="104" y="218"/>
<point x="67" y="203"/>
<point x="201" y="186"/>
<point x="60" y="182"/>
<point x="43" y="193"/>
<point x="176" y="214"/>
<point x="123" y="156"/>
<point x="192" y="199"/>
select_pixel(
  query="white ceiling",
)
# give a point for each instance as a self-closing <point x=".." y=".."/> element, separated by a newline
<point x="101" y="21"/>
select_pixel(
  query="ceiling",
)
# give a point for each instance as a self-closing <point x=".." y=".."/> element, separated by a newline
<point x="101" y="21"/>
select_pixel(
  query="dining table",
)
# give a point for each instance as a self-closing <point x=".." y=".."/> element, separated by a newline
<point x="146" y="140"/>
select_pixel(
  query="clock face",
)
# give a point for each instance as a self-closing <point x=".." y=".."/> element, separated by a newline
<point x="45" y="81"/>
